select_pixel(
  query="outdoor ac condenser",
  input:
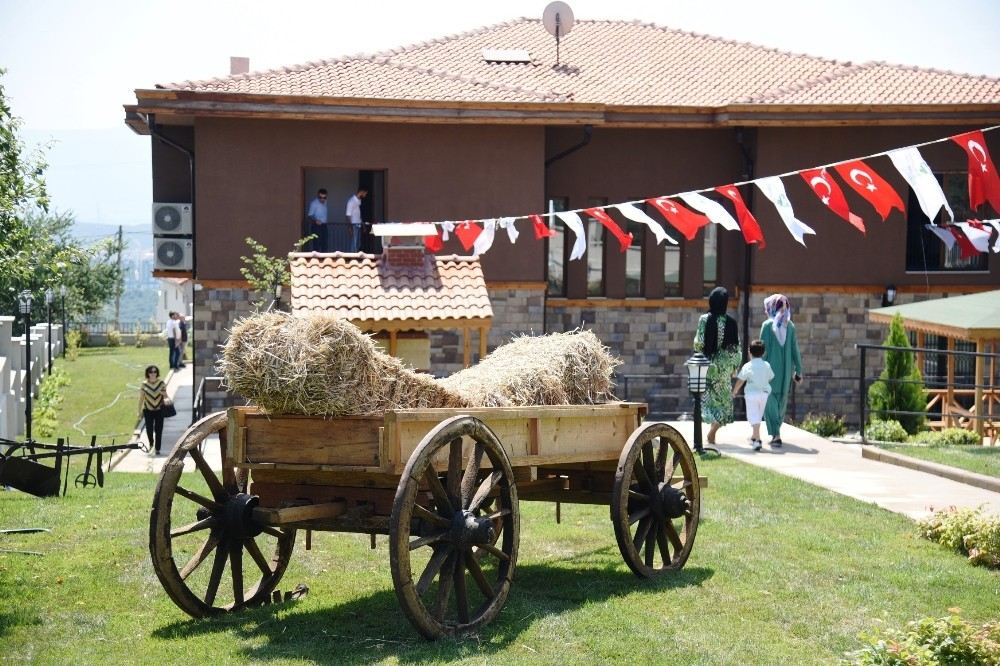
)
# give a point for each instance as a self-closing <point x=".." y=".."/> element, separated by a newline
<point x="173" y="254"/>
<point x="171" y="219"/>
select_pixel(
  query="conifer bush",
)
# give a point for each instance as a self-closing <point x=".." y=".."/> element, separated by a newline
<point x="900" y="387"/>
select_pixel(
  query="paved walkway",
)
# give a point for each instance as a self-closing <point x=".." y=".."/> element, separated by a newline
<point x="836" y="466"/>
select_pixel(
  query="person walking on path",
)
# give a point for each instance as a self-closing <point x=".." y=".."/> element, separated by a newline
<point x="757" y="376"/>
<point x="173" y="333"/>
<point x="718" y="338"/>
<point x="151" y="396"/>
<point x="182" y="325"/>
<point x="782" y="353"/>
<point x="353" y="213"/>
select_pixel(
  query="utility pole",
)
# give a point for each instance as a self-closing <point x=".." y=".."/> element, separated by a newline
<point x="118" y="284"/>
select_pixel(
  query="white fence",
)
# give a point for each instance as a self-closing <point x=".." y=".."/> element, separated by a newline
<point x="17" y="376"/>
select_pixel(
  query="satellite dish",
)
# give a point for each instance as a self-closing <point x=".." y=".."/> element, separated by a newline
<point x="558" y="19"/>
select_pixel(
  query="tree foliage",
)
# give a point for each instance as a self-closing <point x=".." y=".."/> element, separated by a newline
<point x="37" y="250"/>
<point x="900" y="387"/>
<point x="264" y="272"/>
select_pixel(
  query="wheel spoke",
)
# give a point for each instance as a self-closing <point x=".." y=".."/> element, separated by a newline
<point x="477" y="575"/>
<point x="484" y="490"/>
<point x="661" y="458"/>
<point x="635" y="495"/>
<point x="640" y="533"/>
<point x="206" y="548"/>
<point x="641" y="513"/>
<point x="218" y="492"/>
<point x="471" y="473"/>
<point x="674" y="537"/>
<point x="648" y="462"/>
<point x="499" y="514"/>
<point x="661" y="542"/>
<point x="213" y="581"/>
<point x="197" y="526"/>
<point x="432" y="569"/>
<point x="273" y="531"/>
<point x="427" y="540"/>
<point x="650" y="542"/>
<point x="437" y="490"/>
<point x="426" y="514"/>
<point x="673" y="465"/>
<point x="454" y="478"/>
<point x="198" y="499"/>
<point x="496" y="552"/>
<point x="258" y="557"/>
<point x="461" y="598"/>
<point x="236" y="567"/>
<point x="445" y="582"/>
<point x="640" y="475"/>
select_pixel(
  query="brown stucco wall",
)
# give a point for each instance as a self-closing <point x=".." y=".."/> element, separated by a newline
<point x="250" y="179"/>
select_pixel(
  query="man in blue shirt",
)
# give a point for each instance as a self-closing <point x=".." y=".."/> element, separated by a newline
<point x="317" y="220"/>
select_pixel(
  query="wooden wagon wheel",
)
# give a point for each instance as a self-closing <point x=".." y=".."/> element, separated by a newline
<point x="453" y="535"/>
<point x="198" y="516"/>
<point x="656" y="500"/>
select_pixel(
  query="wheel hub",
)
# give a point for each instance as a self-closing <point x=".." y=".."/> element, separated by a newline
<point x="469" y="530"/>
<point x="237" y="516"/>
<point x="673" y="503"/>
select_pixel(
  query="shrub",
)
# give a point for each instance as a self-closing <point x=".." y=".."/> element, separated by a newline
<point x="824" y="425"/>
<point x="140" y="340"/>
<point x="966" y="531"/>
<point x="900" y="387"/>
<point x="74" y="340"/>
<point x="983" y="544"/>
<point x="885" y="431"/>
<point x="931" y="642"/>
<point x="947" y="437"/>
<point x="49" y="396"/>
<point x="114" y="338"/>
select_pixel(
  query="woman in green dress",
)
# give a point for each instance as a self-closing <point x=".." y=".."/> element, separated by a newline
<point x="718" y="339"/>
<point x="781" y="351"/>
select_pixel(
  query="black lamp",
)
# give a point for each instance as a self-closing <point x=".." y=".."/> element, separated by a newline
<point x="49" y="296"/>
<point x="24" y="305"/>
<point x="697" y="367"/>
<point x="889" y="296"/>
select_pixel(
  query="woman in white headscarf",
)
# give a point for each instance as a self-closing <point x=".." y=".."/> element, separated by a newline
<point x="781" y="351"/>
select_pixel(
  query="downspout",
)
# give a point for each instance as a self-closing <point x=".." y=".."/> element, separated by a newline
<point x="154" y="131"/>
<point x="748" y="174"/>
<point x="588" y="132"/>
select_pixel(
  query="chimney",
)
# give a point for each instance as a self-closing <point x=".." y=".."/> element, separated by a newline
<point x="404" y="251"/>
<point x="238" y="65"/>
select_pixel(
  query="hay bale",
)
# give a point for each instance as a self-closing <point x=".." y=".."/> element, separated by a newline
<point x="557" y="369"/>
<point x="320" y="365"/>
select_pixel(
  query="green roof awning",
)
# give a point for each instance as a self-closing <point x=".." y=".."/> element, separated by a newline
<point x="970" y="317"/>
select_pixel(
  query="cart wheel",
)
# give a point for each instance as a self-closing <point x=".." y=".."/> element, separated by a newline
<point x="453" y="535"/>
<point x="211" y="519"/>
<point x="653" y="515"/>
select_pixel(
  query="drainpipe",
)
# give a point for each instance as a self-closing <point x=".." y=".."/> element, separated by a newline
<point x="748" y="174"/>
<point x="154" y="131"/>
<point x="588" y="132"/>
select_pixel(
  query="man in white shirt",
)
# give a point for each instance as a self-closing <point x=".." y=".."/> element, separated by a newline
<point x="317" y="218"/>
<point x="354" y="217"/>
<point x="173" y="333"/>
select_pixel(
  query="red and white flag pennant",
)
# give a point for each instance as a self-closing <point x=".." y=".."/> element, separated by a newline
<point x="829" y="192"/>
<point x="984" y="183"/>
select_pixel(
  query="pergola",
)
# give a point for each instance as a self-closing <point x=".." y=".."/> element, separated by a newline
<point x="974" y="318"/>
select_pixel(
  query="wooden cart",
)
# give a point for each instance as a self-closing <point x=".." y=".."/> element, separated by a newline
<point x="443" y="484"/>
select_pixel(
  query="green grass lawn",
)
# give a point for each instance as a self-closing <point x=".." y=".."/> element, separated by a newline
<point x="979" y="459"/>
<point x="782" y="572"/>
<point x="102" y="395"/>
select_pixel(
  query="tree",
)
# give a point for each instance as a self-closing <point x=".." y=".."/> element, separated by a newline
<point x="900" y="387"/>
<point x="264" y="272"/>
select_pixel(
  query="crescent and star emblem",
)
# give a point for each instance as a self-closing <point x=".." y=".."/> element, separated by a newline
<point x="979" y="152"/>
<point x="817" y="180"/>
<point x="857" y="174"/>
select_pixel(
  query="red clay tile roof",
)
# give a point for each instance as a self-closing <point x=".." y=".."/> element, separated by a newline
<point x="613" y="63"/>
<point x="363" y="289"/>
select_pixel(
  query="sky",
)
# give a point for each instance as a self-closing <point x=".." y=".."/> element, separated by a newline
<point x="72" y="65"/>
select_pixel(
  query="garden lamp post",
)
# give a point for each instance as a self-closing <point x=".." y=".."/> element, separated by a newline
<point x="49" y="296"/>
<point x="62" y="296"/>
<point x="24" y="303"/>
<point x="697" y="367"/>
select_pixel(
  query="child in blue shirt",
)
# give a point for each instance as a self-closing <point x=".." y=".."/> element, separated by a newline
<point x="757" y="376"/>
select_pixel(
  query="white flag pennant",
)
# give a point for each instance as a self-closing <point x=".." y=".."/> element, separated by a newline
<point x="774" y="190"/>
<point x="573" y="221"/>
<point x="637" y="215"/>
<point x="713" y="210"/>
<point x="446" y="228"/>
<point x="943" y="234"/>
<point x="996" y="225"/>
<point x="508" y="224"/>
<point x="484" y="241"/>
<point x="914" y="169"/>
<point x="980" y="238"/>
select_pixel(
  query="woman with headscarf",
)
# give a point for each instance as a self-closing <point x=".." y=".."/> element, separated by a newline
<point x="718" y="339"/>
<point x="781" y="351"/>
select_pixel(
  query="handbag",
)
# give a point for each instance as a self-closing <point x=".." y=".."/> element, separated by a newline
<point x="168" y="408"/>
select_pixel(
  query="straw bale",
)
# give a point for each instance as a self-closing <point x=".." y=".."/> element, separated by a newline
<point x="571" y="368"/>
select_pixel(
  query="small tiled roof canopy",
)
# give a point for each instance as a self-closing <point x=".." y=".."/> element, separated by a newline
<point x="377" y="294"/>
<point x="974" y="317"/>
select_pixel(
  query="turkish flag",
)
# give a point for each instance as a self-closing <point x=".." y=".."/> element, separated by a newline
<point x="599" y="214"/>
<point x="541" y="229"/>
<point x="467" y="233"/>
<point x="968" y="250"/>
<point x="748" y="223"/>
<point x="871" y="187"/>
<point x="984" y="184"/>
<point x="682" y="219"/>
<point x="824" y="187"/>
<point x="433" y="243"/>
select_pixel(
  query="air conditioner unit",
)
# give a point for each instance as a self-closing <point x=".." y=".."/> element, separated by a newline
<point x="172" y="219"/>
<point x="173" y="254"/>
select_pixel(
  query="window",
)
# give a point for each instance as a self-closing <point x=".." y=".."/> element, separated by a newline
<point x="711" y="266"/>
<point x="595" y="250"/>
<point x="633" y="260"/>
<point x="557" y="249"/>
<point x="924" y="250"/>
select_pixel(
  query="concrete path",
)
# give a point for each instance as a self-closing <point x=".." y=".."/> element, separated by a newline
<point x="842" y="469"/>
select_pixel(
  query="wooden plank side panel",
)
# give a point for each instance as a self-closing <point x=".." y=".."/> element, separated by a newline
<point x="308" y="440"/>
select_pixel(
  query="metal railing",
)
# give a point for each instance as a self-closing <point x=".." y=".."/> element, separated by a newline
<point x="96" y="327"/>
<point x="956" y="403"/>
<point x="199" y="398"/>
